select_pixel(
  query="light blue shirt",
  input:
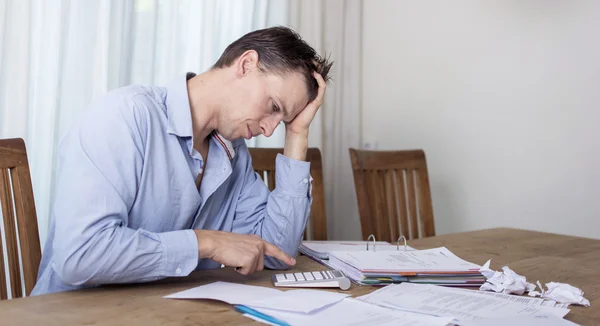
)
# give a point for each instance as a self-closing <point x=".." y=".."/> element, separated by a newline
<point x="126" y="200"/>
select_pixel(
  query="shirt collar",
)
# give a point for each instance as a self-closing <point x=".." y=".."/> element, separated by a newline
<point x="179" y="113"/>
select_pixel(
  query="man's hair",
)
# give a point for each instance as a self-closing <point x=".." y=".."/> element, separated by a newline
<point x="280" y="49"/>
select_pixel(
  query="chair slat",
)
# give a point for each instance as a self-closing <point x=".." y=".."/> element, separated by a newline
<point x="377" y="208"/>
<point x="425" y="205"/>
<point x="403" y="212"/>
<point x="10" y="232"/>
<point x="318" y="223"/>
<point x="392" y="201"/>
<point x="364" y="203"/>
<point x="372" y="200"/>
<point x="261" y="173"/>
<point x="3" y="288"/>
<point x="385" y="234"/>
<point x="412" y="205"/>
<point x="27" y="225"/>
<point x="271" y="179"/>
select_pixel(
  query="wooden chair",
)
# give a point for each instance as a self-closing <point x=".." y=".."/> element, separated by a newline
<point x="263" y="162"/>
<point x="15" y="187"/>
<point x="392" y="189"/>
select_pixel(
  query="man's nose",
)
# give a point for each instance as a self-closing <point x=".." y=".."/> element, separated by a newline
<point x="269" y="127"/>
<point x="267" y="131"/>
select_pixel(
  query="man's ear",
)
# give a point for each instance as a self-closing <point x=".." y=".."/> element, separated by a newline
<point x="247" y="62"/>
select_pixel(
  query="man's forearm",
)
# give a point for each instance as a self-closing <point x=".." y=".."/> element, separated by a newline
<point x="296" y="145"/>
<point x="122" y="255"/>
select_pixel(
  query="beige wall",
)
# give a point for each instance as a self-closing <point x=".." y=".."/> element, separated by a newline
<point x="504" y="97"/>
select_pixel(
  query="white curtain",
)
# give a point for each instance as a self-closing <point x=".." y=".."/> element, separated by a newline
<point x="334" y="28"/>
<point x="56" y="56"/>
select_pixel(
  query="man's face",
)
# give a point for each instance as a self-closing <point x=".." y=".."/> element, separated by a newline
<point x="260" y="102"/>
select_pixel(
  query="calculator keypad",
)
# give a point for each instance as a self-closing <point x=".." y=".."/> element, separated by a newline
<point x="307" y="276"/>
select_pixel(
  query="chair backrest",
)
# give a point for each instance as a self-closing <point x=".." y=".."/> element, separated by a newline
<point x="20" y="233"/>
<point x="392" y="189"/>
<point x="263" y="162"/>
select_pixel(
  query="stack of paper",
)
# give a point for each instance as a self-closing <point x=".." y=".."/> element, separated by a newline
<point x="433" y="266"/>
<point x="461" y="304"/>
<point x="396" y="304"/>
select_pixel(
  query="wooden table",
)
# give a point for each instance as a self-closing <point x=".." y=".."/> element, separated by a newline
<point x="538" y="256"/>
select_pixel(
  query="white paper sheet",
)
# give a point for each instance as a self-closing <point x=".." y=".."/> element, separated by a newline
<point x="441" y="301"/>
<point x="354" y="312"/>
<point x="303" y="301"/>
<point x="520" y="321"/>
<point x="437" y="259"/>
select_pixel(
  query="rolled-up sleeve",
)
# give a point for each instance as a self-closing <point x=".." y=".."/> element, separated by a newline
<point x="293" y="177"/>
<point x="101" y="165"/>
<point x="280" y="216"/>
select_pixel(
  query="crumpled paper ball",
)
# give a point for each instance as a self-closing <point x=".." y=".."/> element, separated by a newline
<point x="506" y="281"/>
<point x="510" y="282"/>
<point x="561" y="292"/>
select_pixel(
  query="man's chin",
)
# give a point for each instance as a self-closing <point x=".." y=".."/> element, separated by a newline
<point x="229" y="138"/>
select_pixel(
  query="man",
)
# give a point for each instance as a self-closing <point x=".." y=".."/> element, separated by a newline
<point x="157" y="182"/>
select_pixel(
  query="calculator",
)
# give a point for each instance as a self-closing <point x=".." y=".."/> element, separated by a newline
<point x="318" y="279"/>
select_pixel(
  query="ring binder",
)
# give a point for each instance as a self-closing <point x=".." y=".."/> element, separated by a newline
<point x="374" y="242"/>
<point x="392" y="265"/>
<point x="397" y="242"/>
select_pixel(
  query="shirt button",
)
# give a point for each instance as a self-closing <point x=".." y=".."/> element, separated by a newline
<point x="178" y="271"/>
<point x="305" y="180"/>
<point x="200" y="172"/>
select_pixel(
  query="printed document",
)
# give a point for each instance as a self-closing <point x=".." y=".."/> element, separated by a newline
<point x="462" y="305"/>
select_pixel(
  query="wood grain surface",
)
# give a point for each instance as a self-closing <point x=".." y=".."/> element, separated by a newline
<point x="538" y="256"/>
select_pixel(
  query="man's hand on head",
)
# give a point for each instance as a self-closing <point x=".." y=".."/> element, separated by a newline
<point x="245" y="252"/>
<point x="302" y="121"/>
<point x="296" y="132"/>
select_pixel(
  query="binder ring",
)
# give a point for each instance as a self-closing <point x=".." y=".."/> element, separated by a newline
<point x="398" y="242"/>
<point x="374" y="242"/>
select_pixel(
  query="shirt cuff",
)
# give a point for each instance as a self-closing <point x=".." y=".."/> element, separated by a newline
<point x="292" y="176"/>
<point x="180" y="252"/>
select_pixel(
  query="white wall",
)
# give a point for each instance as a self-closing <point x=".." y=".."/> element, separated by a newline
<point x="503" y="96"/>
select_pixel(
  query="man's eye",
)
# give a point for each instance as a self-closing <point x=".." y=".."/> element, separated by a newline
<point x="275" y="108"/>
